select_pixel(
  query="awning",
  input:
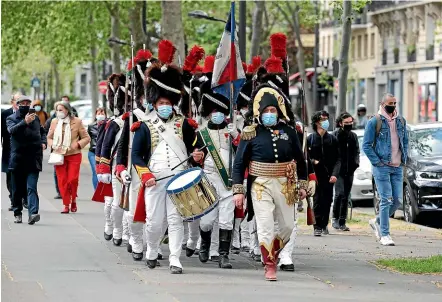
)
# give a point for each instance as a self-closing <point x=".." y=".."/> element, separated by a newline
<point x="297" y="76"/>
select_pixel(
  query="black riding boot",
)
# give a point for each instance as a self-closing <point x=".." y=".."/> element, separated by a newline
<point x="225" y="237"/>
<point x="206" y="238"/>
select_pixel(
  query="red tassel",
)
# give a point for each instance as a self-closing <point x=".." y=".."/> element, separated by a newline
<point x="209" y="62"/>
<point x="192" y="123"/>
<point x="143" y="55"/>
<point x="274" y="65"/>
<point x="278" y="45"/>
<point x="166" y="51"/>
<point x="195" y="55"/>
<point x="312" y="176"/>
<point x="135" y="126"/>
<point x="125" y="116"/>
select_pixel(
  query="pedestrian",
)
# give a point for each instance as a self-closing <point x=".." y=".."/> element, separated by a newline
<point x="28" y="140"/>
<point x="47" y="126"/>
<point x="362" y="117"/>
<point x="42" y="115"/>
<point x="6" y="144"/>
<point x="67" y="136"/>
<point x="65" y="98"/>
<point x="323" y="150"/>
<point x="92" y="130"/>
<point x="349" y="152"/>
<point x="386" y="146"/>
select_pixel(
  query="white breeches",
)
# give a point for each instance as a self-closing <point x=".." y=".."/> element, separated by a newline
<point x="117" y="212"/>
<point x="135" y="228"/>
<point x="254" y="243"/>
<point x="286" y="254"/>
<point x="108" y="224"/>
<point x="126" y="233"/>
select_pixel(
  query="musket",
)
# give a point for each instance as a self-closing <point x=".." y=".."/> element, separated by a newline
<point x="123" y="186"/>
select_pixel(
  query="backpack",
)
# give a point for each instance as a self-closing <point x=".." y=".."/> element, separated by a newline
<point x="379" y="125"/>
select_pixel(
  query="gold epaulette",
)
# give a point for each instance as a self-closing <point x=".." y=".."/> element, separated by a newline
<point x="249" y="132"/>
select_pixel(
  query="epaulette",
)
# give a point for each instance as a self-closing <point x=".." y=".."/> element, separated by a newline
<point x="192" y="123"/>
<point x="125" y="116"/>
<point x="108" y="124"/>
<point x="135" y="126"/>
<point x="249" y="132"/>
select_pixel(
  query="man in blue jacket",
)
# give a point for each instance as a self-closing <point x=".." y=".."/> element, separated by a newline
<point x="28" y="140"/>
<point x="386" y="146"/>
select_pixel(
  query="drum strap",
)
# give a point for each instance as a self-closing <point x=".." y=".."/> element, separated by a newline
<point x="222" y="171"/>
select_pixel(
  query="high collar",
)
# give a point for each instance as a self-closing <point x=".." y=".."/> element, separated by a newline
<point x="213" y="126"/>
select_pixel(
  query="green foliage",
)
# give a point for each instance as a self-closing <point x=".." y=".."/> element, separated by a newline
<point x="411" y="48"/>
<point x="324" y="79"/>
<point x="430" y="265"/>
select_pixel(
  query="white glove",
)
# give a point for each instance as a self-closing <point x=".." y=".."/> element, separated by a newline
<point x="100" y="179"/>
<point x="231" y="129"/>
<point x="106" y="178"/>
<point x="125" y="176"/>
<point x="311" y="189"/>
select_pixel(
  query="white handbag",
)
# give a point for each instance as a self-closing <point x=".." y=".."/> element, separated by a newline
<point x="56" y="159"/>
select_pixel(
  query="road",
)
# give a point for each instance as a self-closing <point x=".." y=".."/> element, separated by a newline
<point x="65" y="258"/>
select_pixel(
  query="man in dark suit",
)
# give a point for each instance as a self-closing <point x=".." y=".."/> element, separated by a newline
<point x="6" y="143"/>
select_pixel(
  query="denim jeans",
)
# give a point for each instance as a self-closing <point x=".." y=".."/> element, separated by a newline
<point x="91" y="157"/>
<point x="24" y="186"/>
<point x="389" y="183"/>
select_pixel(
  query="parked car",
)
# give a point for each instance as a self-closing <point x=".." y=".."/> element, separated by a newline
<point x="362" y="186"/>
<point x="85" y="114"/>
<point x="4" y="107"/>
<point x="422" y="172"/>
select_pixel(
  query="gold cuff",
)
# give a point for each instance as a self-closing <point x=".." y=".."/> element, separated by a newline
<point x="303" y="184"/>
<point x="238" y="189"/>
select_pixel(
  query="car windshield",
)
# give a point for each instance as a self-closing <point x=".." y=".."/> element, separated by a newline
<point x="426" y="142"/>
<point x="85" y="113"/>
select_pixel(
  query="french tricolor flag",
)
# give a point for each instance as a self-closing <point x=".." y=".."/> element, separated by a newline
<point x="228" y="71"/>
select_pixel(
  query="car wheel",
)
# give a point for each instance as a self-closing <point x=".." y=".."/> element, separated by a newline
<point x="376" y="199"/>
<point x="409" y="212"/>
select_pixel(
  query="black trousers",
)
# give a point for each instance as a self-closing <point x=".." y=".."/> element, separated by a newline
<point x="9" y="185"/>
<point x="322" y="202"/>
<point x="342" y="192"/>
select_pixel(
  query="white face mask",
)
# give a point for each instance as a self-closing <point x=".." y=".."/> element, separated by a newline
<point x="100" y="117"/>
<point x="61" y="115"/>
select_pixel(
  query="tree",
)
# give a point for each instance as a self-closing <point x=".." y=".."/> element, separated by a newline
<point x="114" y="11"/>
<point x="257" y="28"/>
<point x="170" y="29"/>
<point x="343" y="57"/>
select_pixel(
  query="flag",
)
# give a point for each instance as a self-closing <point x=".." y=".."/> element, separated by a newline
<point x="228" y="65"/>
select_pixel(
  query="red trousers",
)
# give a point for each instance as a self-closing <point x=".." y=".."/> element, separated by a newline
<point x="68" y="174"/>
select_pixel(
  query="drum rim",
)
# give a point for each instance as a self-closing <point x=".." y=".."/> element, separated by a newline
<point x="189" y="185"/>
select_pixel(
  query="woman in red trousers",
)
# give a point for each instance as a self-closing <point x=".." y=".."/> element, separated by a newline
<point x="68" y="136"/>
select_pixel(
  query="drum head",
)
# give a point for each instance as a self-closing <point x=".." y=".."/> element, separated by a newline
<point x="184" y="180"/>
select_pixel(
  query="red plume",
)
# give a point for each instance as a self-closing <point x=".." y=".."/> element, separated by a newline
<point x="143" y="55"/>
<point x="209" y="62"/>
<point x="195" y="55"/>
<point x="256" y="63"/>
<point x="198" y="69"/>
<point x="278" y="45"/>
<point x="274" y="65"/>
<point x="244" y="66"/>
<point x="166" y="51"/>
<point x="129" y="65"/>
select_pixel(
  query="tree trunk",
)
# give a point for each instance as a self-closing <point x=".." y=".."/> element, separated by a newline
<point x="256" y="28"/>
<point x="115" y="33"/>
<point x="301" y="61"/>
<point x="136" y="25"/>
<point x="172" y="27"/>
<point x="57" y="84"/>
<point x="343" y="57"/>
<point x="94" y="73"/>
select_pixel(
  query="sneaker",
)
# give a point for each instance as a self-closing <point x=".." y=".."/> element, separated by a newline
<point x="18" y="219"/>
<point x="335" y="224"/>
<point x="376" y="229"/>
<point x="33" y="219"/>
<point x="344" y="228"/>
<point x="235" y="250"/>
<point x="387" y="241"/>
<point x="57" y="197"/>
<point x="325" y="231"/>
<point x="317" y="232"/>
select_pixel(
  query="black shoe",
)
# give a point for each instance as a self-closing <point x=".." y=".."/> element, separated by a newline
<point x="107" y="237"/>
<point x="18" y="219"/>
<point x="117" y="242"/>
<point x="197" y="251"/>
<point x="33" y="219"/>
<point x="255" y="257"/>
<point x="10" y="209"/>
<point x="344" y="228"/>
<point x="205" y="246"/>
<point x="335" y="224"/>
<point x="175" y="270"/>
<point x="317" y="232"/>
<point x="224" y="261"/>
<point x="245" y="249"/>
<point x="183" y="246"/>
<point x="325" y="231"/>
<point x="189" y="252"/>
<point x="214" y="258"/>
<point x="151" y="263"/>
<point x="165" y="239"/>
<point x="160" y="256"/>
<point x="25" y="205"/>
<point x="129" y="248"/>
<point x="57" y="197"/>
<point x="287" y="267"/>
<point x="235" y="250"/>
<point x="137" y="256"/>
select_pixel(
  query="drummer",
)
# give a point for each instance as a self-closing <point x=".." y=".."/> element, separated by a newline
<point x="272" y="181"/>
<point x="161" y="142"/>
<point x="215" y="135"/>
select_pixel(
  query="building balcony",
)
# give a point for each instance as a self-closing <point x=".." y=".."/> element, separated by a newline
<point x="411" y="55"/>
<point x="396" y="55"/>
<point x="384" y="57"/>
<point x="430" y="53"/>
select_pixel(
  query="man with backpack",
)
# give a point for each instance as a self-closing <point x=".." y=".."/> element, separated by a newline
<point x="386" y="146"/>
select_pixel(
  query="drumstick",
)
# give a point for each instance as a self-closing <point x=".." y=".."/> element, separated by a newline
<point x="165" y="177"/>
<point x="200" y="149"/>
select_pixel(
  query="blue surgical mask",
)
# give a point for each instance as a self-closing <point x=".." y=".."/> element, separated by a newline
<point x="145" y="104"/>
<point x="325" y="125"/>
<point x="37" y="108"/>
<point x="164" y="111"/>
<point x="217" y="118"/>
<point x="150" y="107"/>
<point x="269" y="119"/>
<point x="100" y="117"/>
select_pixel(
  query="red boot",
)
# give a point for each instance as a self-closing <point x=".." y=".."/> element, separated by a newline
<point x="270" y="271"/>
<point x="74" y="207"/>
<point x="65" y="210"/>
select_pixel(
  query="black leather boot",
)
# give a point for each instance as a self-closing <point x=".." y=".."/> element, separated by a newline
<point x="137" y="256"/>
<point x="205" y="245"/>
<point x="117" y="242"/>
<point x="225" y="237"/>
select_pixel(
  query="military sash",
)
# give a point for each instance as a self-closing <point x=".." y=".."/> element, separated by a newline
<point x="221" y="169"/>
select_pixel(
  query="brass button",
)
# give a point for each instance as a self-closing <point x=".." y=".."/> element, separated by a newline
<point x="276" y="155"/>
<point x="275" y="150"/>
<point x="274" y="145"/>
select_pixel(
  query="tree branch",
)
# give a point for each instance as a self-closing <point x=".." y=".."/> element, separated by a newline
<point x="284" y="13"/>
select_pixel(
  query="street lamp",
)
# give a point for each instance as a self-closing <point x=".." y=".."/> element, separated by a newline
<point x="199" y="14"/>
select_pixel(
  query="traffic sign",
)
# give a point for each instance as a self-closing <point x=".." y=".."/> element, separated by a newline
<point x="102" y="87"/>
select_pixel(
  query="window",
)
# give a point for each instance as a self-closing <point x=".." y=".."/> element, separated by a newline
<point x="359" y="47"/>
<point x="353" y="47"/>
<point x="329" y="53"/>
<point x="372" y="45"/>
<point x="365" y="46"/>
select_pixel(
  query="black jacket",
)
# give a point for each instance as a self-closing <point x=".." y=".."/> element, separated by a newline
<point x="92" y="130"/>
<point x="26" y="141"/>
<point x="349" y="151"/>
<point x="6" y="140"/>
<point x="324" y="149"/>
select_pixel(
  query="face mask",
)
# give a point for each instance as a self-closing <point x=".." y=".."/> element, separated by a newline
<point x="325" y="125"/>
<point x="164" y="111"/>
<point x="390" y="109"/>
<point x="150" y="107"/>
<point x="243" y="111"/>
<point x="23" y="110"/>
<point x="348" y="128"/>
<point x="37" y="108"/>
<point x="61" y="115"/>
<point x="100" y="117"/>
<point x="269" y="119"/>
<point x="217" y="118"/>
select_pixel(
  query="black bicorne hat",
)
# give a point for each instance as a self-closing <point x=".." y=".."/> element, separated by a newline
<point x="244" y="95"/>
<point x="211" y="100"/>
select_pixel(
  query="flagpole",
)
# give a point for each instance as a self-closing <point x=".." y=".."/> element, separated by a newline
<point x="232" y="76"/>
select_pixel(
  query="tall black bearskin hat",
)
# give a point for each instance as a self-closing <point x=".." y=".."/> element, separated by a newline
<point x="211" y="100"/>
<point x="164" y="79"/>
<point x="117" y="93"/>
<point x="143" y="60"/>
<point x="244" y="95"/>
